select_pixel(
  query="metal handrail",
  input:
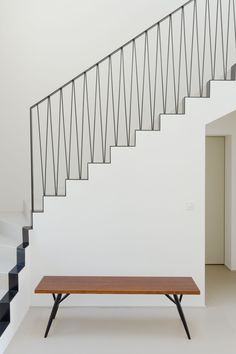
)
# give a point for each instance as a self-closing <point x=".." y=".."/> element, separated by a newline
<point x="112" y="53"/>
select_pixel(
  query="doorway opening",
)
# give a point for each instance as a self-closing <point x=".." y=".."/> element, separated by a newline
<point x="215" y="200"/>
<point x="220" y="255"/>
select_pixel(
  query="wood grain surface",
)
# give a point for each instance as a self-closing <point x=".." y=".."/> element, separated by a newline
<point x="116" y="285"/>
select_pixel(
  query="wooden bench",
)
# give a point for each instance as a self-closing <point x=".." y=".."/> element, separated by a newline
<point x="62" y="286"/>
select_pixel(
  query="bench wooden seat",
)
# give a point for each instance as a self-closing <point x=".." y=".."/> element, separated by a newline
<point x="66" y="285"/>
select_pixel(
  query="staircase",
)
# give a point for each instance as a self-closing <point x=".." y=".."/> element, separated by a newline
<point x="142" y="86"/>
<point x="13" y="241"/>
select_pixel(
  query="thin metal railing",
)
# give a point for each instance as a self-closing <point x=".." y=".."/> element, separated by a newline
<point x="110" y="54"/>
<point x="128" y="90"/>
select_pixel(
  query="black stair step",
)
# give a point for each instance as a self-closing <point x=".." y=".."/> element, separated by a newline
<point x="7" y="298"/>
<point x="3" y="326"/>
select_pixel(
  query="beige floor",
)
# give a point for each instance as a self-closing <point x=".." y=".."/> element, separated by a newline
<point x="138" y="330"/>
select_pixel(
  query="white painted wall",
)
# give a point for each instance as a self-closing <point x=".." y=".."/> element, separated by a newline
<point x="130" y="218"/>
<point x="43" y="45"/>
<point x="227" y="126"/>
<point x="143" y="214"/>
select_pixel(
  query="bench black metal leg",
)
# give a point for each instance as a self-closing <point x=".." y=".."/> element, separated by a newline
<point x="180" y="310"/>
<point x="53" y="313"/>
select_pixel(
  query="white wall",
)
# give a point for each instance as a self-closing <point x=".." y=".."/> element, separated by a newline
<point x="43" y="45"/>
<point x="130" y="218"/>
<point x="143" y="214"/>
<point x="226" y="126"/>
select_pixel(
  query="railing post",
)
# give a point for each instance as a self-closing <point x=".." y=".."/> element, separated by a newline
<point x="31" y="165"/>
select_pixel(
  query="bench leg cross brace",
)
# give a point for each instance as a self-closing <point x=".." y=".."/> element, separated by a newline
<point x="57" y="300"/>
<point x="177" y="301"/>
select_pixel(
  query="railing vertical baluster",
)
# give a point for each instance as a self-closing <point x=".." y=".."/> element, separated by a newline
<point x="167" y="68"/>
<point x="107" y="108"/>
<point x="198" y="50"/>
<point x="95" y="114"/>
<point x="113" y="103"/>
<point x="180" y="57"/>
<point x="162" y="74"/>
<point x="100" y="107"/>
<point x="88" y="116"/>
<point x="31" y="164"/>
<point x="137" y="85"/>
<point x="70" y="132"/>
<point x="210" y="39"/>
<point x="191" y="56"/>
<point x="118" y="103"/>
<point x="52" y="145"/>
<point x="124" y="97"/>
<point x="82" y="132"/>
<point x="234" y="17"/>
<point x="173" y="63"/>
<point x="227" y="38"/>
<point x="40" y="150"/>
<point x="155" y="79"/>
<point x="46" y="148"/>
<point x="185" y="53"/>
<point x="216" y="26"/>
<point x="131" y="92"/>
<point x="149" y="81"/>
<point x="222" y="41"/>
<point x="64" y="132"/>
<point x="58" y="144"/>
<point x="204" y="46"/>
<point x="143" y="83"/>
<point x="73" y="104"/>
